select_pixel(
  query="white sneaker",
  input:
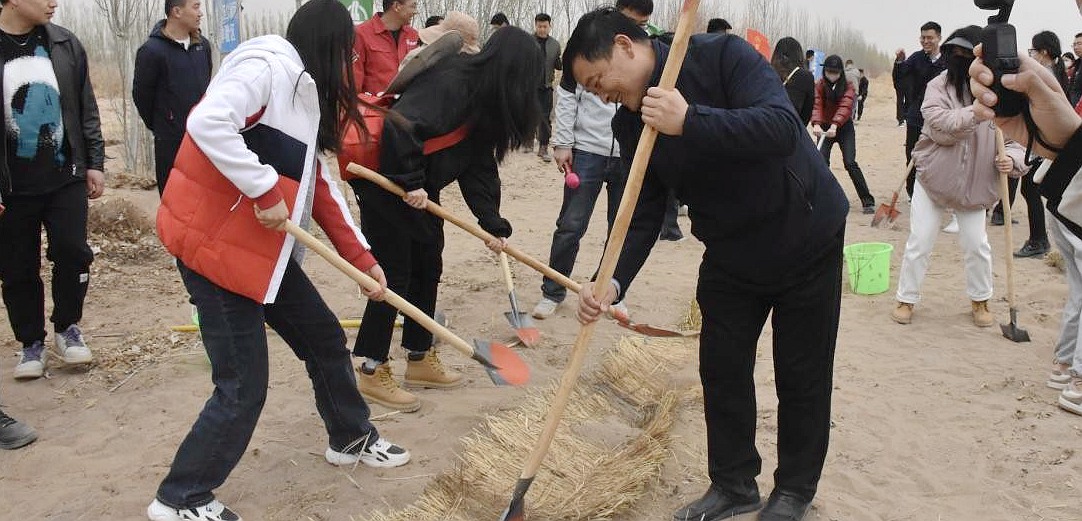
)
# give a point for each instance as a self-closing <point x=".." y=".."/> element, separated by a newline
<point x="31" y="362"/>
<point x="1071" y="397"/>
<point x="1059" y="376"/>
<point x="381" y="454"/>
<point x="213" y="511"/>
<point x="72" y="347"/>
<point x="545" y="308"/>
<point x="621" y="308"/>
<point x="952" y="227"/>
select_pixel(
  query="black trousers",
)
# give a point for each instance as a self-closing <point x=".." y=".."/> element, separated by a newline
<point x="413" y="270"/>
<point x="860" y="109"/>
<point x="165" y="153"/>
<point x="899" y="100"/>
<point x="912" y="135"/>
<point x="1038" y="230"/>
<point x="805" y="322"/>
<point x="847" y="141"/>
<point x="544" y="126"/>
<point x="63" y="213"/>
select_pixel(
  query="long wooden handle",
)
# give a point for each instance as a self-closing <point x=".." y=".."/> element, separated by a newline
<point x="470" y="227"/>
<point x="614" y="245"/>
<point x="506" y="268"/>
<point x="371" y="284"/>
<point x="905" y="177"/>
<point x="1005" y="194"/>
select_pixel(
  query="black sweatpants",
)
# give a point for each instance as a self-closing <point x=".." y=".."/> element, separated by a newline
<point x="413" y="270"/>
<point x="63" y="213"/>
<point x="805" y="323"/>
<point x="544" y="126"/>
<point x="912" y="135"/>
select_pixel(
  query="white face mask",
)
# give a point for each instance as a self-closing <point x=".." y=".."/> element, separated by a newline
<point x="832" y="77"/>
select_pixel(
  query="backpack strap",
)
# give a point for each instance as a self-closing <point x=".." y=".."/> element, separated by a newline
<point x="440" y="143"/>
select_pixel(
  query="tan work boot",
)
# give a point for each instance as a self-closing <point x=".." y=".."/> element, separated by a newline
<point x="903" y="313"/>
<point x="981" y="316"/>
<point x="380" y="387"/>
<point x="430" y="373"/>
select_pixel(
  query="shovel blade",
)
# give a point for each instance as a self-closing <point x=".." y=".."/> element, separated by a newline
<point x="524" y="328"/>
<point x="516" y="510"/>
<point x="1012" y="332"/>
<point x="503" y="365"/>
<point x="886" y="212"/>
<point x="647" y="330"/>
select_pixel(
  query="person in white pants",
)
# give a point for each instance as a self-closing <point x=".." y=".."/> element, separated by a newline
<point x="1067" y="363"/>
<point x="957" y="169"/>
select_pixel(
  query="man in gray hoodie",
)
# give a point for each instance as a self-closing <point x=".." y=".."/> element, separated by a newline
<point x="583" y="142"/>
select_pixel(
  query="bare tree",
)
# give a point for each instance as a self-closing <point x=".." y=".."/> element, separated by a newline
<point x="127" y="22"/>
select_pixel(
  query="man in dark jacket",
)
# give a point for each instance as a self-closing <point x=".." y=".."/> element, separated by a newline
<point x="51" y="160"/>
<point x="172" y="71"/>
<point x="735" y="151"/>
<point x="914" y="74"/>
<point x="551" y="49"/>
<point x="862" y="94"/>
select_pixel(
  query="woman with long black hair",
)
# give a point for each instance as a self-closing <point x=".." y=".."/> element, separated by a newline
<point x="788" y="62"/>
<point x="835" y="99"/>
<point x="492" y="98"/>
<point x="251" y="161"/>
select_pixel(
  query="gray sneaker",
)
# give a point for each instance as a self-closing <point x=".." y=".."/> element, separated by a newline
<point x="13" y="434"/>
<point x="72" y="347"/>
<point x="32" y="362"/>
<point x="1071" y="397"/>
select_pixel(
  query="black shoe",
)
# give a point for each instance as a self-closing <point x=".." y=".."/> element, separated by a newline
<point x="869" y="209"/>
<point x="717" y="504"/>
<point x="677" y="237"/>
<point x="1032" y="249"/>
<point x="13" y="434"/>
<point x="997" y="219"/>
<point x="784" y="506"/>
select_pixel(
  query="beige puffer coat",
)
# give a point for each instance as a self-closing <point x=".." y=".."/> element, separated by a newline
<point x="955" y="156"/>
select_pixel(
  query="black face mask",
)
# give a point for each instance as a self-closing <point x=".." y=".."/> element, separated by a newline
<point x="959" y="63"/>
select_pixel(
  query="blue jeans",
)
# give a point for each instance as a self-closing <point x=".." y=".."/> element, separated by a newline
<point x="236" y="343"/>
<point x="594" y="171"/>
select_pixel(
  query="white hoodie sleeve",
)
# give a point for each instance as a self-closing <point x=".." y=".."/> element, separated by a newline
<point x="567" y="109"/>
<point x="216" y="122"/>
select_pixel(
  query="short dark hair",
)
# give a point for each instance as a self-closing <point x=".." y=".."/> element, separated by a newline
<point x="542" y="17"/>
<point x="593" y="37"/>
<point x="169" y="5"/>
<point x="1079" y="35"/>
<point x="499" y="19"/>
<point x="809" y="54"/>
<point x="433" y="20"/>
<point x="718" y="25"/>
<point x="932" y="26"/>
<point x="643" y="7"/>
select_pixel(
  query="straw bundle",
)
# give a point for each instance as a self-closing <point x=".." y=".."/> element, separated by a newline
<point x="607" y="451"/>
<point x="1055" y="260"/>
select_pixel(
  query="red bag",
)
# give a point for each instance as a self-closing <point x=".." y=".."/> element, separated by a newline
<point x="365" y="150"/>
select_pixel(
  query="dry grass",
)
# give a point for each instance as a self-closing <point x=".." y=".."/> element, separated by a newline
<point x="1055" y="260"/>
<point x="693" y="318"/>
<point x="607" y="451"/>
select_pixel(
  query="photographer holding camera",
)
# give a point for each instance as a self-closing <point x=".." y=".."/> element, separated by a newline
<point x="1054" y="131"/>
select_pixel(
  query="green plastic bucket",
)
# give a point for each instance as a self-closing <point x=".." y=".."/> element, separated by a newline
<point x="869" y="267"/>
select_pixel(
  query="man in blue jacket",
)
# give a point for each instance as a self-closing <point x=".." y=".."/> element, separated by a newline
<point x="772" y="217"/>
<point x="172" y="72"/>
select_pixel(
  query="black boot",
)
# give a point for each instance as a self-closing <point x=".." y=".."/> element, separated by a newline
<point x="718" y="504"/>
<point x="785" y="506"/>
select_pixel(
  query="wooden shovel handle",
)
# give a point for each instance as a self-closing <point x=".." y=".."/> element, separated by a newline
<point x="506" y="269"/>
<point x="470" y="227"/>
<point x="1005" y="194"/>
<point x="371" y="284"/>
<point x="614" y="245"/>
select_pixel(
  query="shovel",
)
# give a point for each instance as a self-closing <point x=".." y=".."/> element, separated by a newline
<point x="1010" y="331"/>
<point x="890" y="212"/>
<point x="523" y="324"/>
<point x="516" y="510"/>
<point x="504" y="367"/>
<point x="477" y="231"/>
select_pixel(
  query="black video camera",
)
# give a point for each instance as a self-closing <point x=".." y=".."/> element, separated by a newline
<point x="1000" y="43"/>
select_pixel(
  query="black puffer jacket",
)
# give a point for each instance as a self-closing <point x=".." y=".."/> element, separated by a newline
<point x="436" y="103"/>
<point x="78" y="106"/>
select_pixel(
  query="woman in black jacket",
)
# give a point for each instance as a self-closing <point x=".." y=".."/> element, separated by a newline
<point x="494" y="95"/>
<point x="799" y="83"/>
